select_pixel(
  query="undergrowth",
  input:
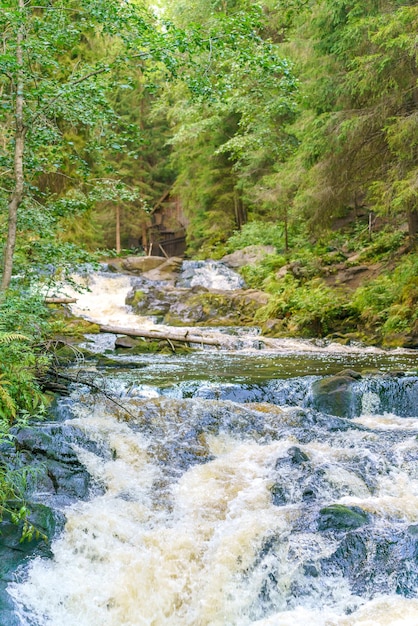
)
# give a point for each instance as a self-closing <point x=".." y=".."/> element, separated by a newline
<point x="302" y="303"/>
<point x="23" y="326"/>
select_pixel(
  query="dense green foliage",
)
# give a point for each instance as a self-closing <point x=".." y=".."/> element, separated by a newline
<point x="266" y="121"/>
<point x="23" y="363"/>
<point x="291" y="113"/>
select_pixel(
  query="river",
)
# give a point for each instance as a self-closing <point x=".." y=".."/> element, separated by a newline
<point x="223" y="496"/>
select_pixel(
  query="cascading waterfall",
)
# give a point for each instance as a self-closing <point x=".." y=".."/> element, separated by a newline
<point x="209" y="274"/>
<point x="228" y="498"/>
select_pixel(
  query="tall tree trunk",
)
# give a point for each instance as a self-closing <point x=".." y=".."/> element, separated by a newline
<point x="413" y="226"/>
<point x="240" y="212"/>
<point x="118" y="247"/>
<point x="286" y="230"/>
<point x="144" y="238"/>
<point x="17" y="195"/>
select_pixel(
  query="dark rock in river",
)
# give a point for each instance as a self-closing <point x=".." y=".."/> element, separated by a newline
<point x="14" y="552"/>
<point x="49" y="450"/>
<point x="126" y="342"/>
<point x="297" y="456"/>
<point x="278" y="495"/>
<point x="351" y="374"/>
<point x="376" y="561"/>
<point x="195" y="305"/>
<point x="47" y="454"/>
<point x="339" y="517"/>
<point x="334" y="395"/>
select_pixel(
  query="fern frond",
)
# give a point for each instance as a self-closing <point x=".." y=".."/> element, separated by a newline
<point x="6" y="400"/>
<point x="10" y="337"/>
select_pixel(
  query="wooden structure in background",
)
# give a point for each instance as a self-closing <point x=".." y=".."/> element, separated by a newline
<point x="167" y="233"/>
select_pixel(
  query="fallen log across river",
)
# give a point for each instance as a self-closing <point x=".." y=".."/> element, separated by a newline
<point x="175" y="335"/>
<point x="59" y="300"/>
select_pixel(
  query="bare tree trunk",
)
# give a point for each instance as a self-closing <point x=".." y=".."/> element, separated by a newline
<point x="118" y="248"/>
<point x="286" y="230"/>
<point x="240" y="212"/>
<point x="17" y="195"/>
<point x="144" y="240"/>
<point x="413" y="226"/>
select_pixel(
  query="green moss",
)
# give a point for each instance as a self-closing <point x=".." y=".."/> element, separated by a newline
<point x="153" y="346"/>
<point x="75" y="327"/>
<point x="339" y="517"/>
<point x="137" y="297"/>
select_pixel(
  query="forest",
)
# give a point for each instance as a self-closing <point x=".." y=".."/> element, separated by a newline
<point x="291" y="124"/>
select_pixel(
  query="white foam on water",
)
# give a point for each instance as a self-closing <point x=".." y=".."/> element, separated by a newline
<point x="212" y="275"/>
<point x="104" y="301"/>
<point x="387" y="611"/>
<point x="123" y="560"/>
<point x="387" y="421"/>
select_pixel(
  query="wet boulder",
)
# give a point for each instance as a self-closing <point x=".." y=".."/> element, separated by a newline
<point x="50" y="441"/>
<point x="167" y="271"/>
<point x="340" y="517"/>
<point x="334" y="395"/>
<point x="141" y="264"/>
<point x="297" y="456"/>
<point x="216" y="308"/>
<point x="376" y="561"/>
<point x="278" y="495"/>
<point x="50" y="453"/>
<point x="152" y="299"/>
<point x="351" y="374"/>
<point x="126" y="342"/>
<point x="14" y="552"/>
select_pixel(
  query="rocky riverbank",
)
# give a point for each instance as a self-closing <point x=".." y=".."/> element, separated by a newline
<point x="255" y="287"/>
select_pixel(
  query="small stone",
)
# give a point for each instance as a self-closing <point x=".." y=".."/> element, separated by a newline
<point x="297" y="455"/>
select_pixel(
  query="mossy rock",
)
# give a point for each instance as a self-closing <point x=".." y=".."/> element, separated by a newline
<point x="351" y="374"/>
<point x="394" y="340"/>
<point x="124" y="342"/>
<point x="340" y="517"/>
<point x="213" y="309"/>
<point x="334" y="395"/>
<point x="78" y="327"/>
<point x="274" y="328"/>
<point x="135" y="298"/>
<point x="68" y="353"/>
<point x="146" y="346"/>
<point x="107" y="361"/>
<point x="161" y="347"/>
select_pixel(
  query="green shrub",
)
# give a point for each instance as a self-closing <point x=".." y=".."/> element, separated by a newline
<point x="389" y="304"/>
<point x="23" y="326"/>
<point x="256" y="275"/>
<point x="308" y="309"/>
<point x="256" y="233"/>
<point x="383" y="243"/>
